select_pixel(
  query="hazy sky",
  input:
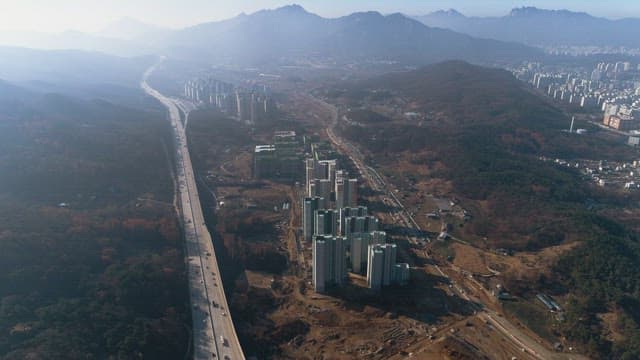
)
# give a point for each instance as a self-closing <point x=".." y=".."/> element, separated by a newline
<point x="92" y="15"/>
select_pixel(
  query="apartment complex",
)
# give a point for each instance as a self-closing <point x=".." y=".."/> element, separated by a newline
<point x="342" y="232"/>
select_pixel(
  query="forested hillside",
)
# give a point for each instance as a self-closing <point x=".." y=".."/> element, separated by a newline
<point x="482" y="133"/>
<point x="91" y="262"/>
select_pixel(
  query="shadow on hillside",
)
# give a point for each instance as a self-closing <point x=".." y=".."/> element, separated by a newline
<point x="420" y="300"/>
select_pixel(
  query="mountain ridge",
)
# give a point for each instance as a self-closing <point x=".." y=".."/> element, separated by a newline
<point x="292" y="31"/>
<point x="541" y="27"/>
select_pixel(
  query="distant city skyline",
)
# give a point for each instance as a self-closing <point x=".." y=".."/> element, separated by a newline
<point x="93" y="15"/>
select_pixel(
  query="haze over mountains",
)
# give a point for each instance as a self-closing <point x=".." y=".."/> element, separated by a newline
<point x="292" y="31"/>
<point x="288" y="32"/>
<point x="131" y="29"/>
<point x="74" y="40"/>
<point x="539" y="27"/>
<point x="124" y="37"/>
<point x="69" y="66"/>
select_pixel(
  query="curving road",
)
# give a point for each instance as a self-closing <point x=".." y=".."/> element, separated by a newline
<point x="214" y="336"/>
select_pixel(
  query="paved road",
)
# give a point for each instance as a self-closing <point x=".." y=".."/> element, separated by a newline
<point x="213" y="333"/>
<point x="377" y="182"/>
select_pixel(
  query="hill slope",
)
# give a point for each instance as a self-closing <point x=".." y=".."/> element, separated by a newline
<point x="467" y="94"/>
<point x="101" y="275"/>
<point x="479" y="139"/>
<point x="482" y="133"/>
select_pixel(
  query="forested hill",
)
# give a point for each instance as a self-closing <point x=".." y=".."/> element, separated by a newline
<point x="478" y="134"/>
<point x="468" y="94"/>
<point x="459" y="99"/>
<point x="91" y="262"/>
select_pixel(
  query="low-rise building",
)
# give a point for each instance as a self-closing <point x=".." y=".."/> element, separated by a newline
<point x="281" y="160"/>
<point x="264" y="161"/>
<point x="623" y="123"/>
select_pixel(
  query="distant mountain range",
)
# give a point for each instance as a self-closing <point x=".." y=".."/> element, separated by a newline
<point x="124" y="37"/>
<point x="539" y="27"/>
<point x="70" y="67"/>
<point x="132" y="29"/>
<point x="291" y="32"/>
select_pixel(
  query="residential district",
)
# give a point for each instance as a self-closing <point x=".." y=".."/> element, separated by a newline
<point x="246" y="104"/>
<point x="344" y="236"/>
<point x="609" y="88"/>
<point x="352" y="239"/>
<point x="334" y="223"/>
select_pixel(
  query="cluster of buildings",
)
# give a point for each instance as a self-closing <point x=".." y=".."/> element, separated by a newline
<point x="344" y="236"/>
<point x="621" y="115"/>
<point x="613" y="88"/>
<point x="281" y="160"/>
<point x="608" y="174"/>
<point x="247" y="105"/>
<point x="334" y="186"/>
<point x="586" y="50"/>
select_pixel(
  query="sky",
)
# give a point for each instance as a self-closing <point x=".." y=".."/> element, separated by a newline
<point x="93" y="15"/>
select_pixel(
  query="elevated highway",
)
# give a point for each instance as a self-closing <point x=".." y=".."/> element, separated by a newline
<point x="214" y="336"/>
